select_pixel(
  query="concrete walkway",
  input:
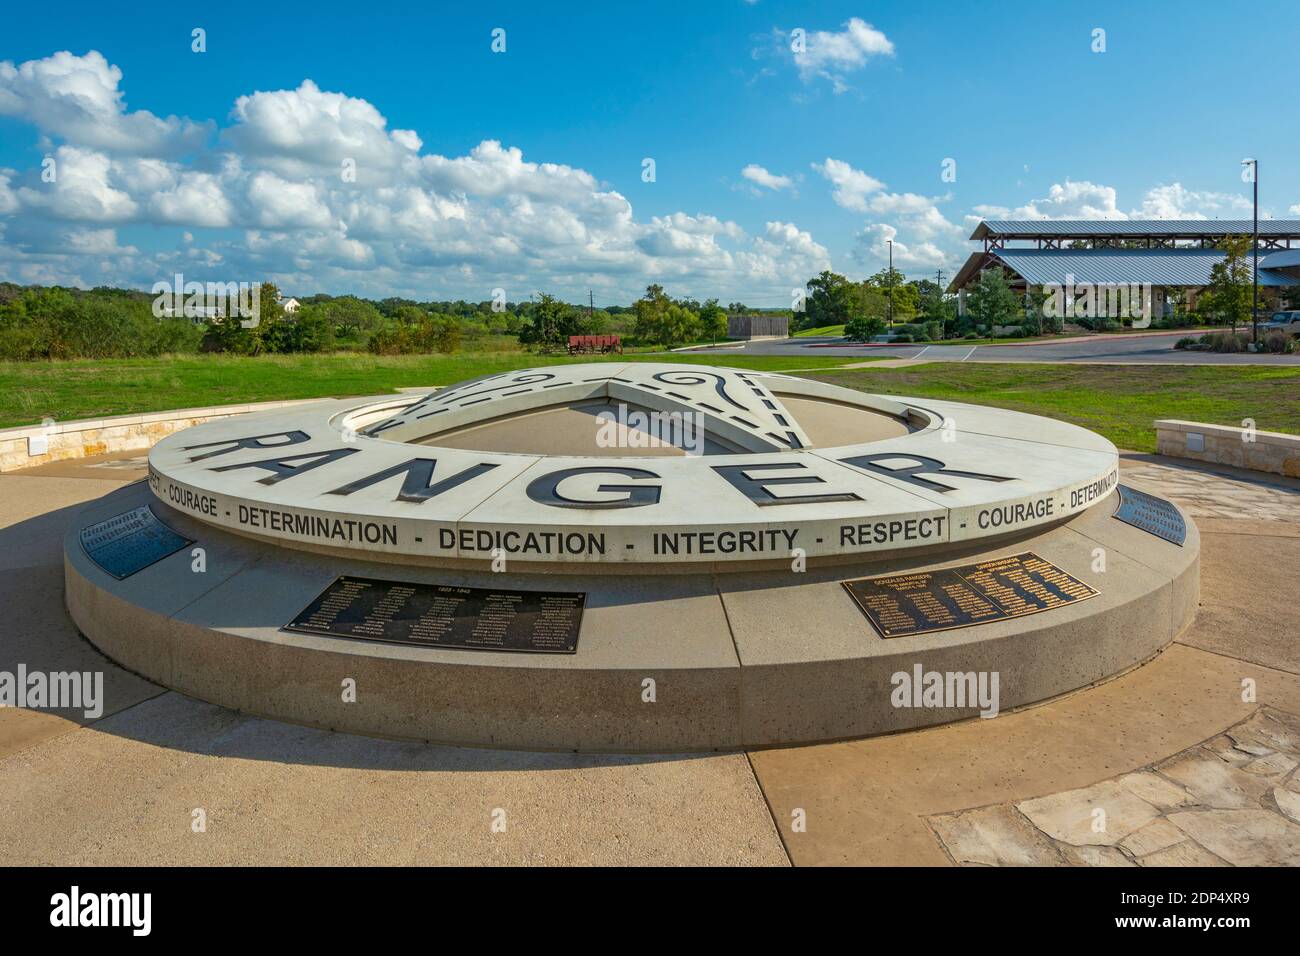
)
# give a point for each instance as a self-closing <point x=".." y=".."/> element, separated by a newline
<point x="1190" y="759"/>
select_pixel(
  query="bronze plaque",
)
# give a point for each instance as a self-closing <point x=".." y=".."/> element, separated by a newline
<point x="900" y="605"/>
<point x="130" y="542"/>
<point x="1153" y="515"/>
<point x="444" y="615"/>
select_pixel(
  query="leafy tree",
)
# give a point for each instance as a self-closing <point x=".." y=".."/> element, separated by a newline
<point x="937" y="307"/>
<point x="448" y="335"/>
<point x="906" y="296"/>
<point x="407" y="313"/>
<point x="661" y="320"/>
<point x="713" y="320"/>
<point x="681" y="324"/>
<point x="1035" y="299"/>
<point x="227" y="333"/>
<point x="830" y="301"/>
<point x="353" y="319"/>
<point x="1230" y="292"/>
<point x="310" y="331"/>
<point x="57" y="323"/>
<point x="869" y="303"/>
<point x="550" y="323"/>
<point x="598" y="322"/>
<point x="272" y="332"/>
<point x="991" y="300"/>
<point x="651" y="314"/>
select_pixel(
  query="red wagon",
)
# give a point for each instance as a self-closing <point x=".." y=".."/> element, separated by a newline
<point x="594" y="344"/>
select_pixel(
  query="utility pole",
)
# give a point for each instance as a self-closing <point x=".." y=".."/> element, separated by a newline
<point x="938" y="299"/>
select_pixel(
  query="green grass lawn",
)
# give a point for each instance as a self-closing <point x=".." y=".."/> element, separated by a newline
<point x="31" y="391"/>
<point x="824" y="330"/>
<point x="1120" y="402"/>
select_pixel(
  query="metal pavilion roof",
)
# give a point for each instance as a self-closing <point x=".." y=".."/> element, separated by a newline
<point x="1287" y="259"/>
<point x="1163" y="228"/>
<point x="1157" y="267"/>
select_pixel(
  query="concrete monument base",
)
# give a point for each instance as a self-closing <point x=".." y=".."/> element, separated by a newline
<point x="667" y="662"/>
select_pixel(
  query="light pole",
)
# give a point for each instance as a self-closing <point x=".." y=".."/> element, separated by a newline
<point x="1254" y="251"/>
<point x="891" y="282"/>
<point x="938" y="298"/>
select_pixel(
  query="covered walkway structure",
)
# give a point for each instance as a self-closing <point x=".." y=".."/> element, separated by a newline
<point x="1172" y="257"/>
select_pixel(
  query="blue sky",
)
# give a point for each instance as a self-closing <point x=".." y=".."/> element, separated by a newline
<point x="523" y="170"/>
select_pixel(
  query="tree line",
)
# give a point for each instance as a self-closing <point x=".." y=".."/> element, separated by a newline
<point x="61" y="323"/>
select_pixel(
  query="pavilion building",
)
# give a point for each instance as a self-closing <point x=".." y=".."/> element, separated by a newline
<point x="1171" y="256"/>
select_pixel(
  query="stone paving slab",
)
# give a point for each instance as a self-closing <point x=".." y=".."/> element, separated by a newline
<point x="1211" y="805"/>
<point x="865" y="801"/>
<point x="995" y="836"/>
<point x="124" y="792"/>
<point x="1207" y="493"/>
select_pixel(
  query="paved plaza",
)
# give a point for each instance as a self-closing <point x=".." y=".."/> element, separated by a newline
<point x="1191" y="758"/>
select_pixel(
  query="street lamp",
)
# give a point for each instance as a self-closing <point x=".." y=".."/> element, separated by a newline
<point x="891" y="282"/>
<point x="1254" y="250"/>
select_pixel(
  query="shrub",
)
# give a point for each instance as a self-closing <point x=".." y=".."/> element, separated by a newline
<point x="1225" y="342"/>
<point x="65" y="324"/>
<point x="1276" y="342"/>
<point x="863" y="329"/>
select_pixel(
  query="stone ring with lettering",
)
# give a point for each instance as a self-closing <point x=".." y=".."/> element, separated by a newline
<point x="632" y="463"/>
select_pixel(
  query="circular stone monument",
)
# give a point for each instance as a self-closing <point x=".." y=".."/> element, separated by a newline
<point x="625" y="556"/>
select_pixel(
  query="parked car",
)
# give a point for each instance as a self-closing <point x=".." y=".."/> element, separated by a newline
<point x="1288" y="322"/>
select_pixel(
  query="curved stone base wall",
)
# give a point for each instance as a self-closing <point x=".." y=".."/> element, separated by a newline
<point x="747" y="659"/>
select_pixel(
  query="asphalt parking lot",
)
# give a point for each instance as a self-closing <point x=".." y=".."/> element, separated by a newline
<point x="1119" y="349"/>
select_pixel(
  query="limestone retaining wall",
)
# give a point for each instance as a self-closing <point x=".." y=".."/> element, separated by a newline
<point x="1272" y="452"/>
<point x="33" y="445"/>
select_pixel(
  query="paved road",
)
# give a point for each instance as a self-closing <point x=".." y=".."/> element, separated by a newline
<point x="1157" y="349"/>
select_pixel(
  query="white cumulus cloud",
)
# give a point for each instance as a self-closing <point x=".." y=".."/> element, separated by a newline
<point x="1086" y="200"/>
<point x="852" y="186"/>
<point x="77" y="99"/>
<point x="832" y="55"/>
<point x="312" y="189"/>
<point x="757" y="174"/>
